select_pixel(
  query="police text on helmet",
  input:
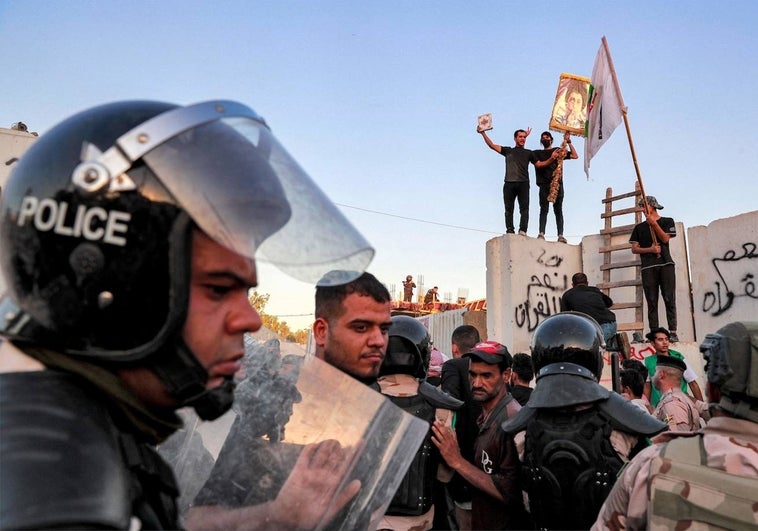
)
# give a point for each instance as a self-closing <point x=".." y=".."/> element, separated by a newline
<point x="93" y="223"/>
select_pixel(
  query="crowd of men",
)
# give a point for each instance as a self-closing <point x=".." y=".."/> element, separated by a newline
<point x="128" y="237"/>
<point x="649" y="239"/>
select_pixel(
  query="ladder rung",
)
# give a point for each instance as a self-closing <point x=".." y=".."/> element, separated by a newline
<point x="624" y="305"/>
<point x="619" y="284"/>
<point x="617" y="247"/>
<point x="621" y="229"/>
<point x="620" y="265"/>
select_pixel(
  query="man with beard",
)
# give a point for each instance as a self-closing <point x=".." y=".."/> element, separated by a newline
<point x="352" y="326"/>
<point x="351" y="334"/>
<point x="496" y="502"/>
<point x="545" y="163"/>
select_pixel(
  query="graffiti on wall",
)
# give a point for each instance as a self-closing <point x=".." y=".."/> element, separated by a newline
<point x="736" y="278"/>
<point x="543" y="292"/>
<point x="637" y="352"/>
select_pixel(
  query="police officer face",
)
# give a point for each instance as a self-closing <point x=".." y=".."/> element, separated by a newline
<point x="218" y="316"/>
<point x="219" y="310"/>
<point x="356" y="340"/>
<point x="487" y="382"/>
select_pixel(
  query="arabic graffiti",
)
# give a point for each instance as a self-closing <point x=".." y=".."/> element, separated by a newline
<point x="549" y="261"/>
<point x="638" y="353"/>
<point x="736" y="273"/>
<point x="542" y="297"/>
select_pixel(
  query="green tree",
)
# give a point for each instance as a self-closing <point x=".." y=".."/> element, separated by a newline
<point x="272" y="322"/>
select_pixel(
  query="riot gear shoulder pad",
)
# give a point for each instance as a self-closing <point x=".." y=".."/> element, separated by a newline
<point x="52" y="429"/>
<point x="438" y="398"/>
<point x="629" y="418"/>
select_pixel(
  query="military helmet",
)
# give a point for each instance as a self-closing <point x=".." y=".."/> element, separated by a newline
<point x="731" y="365"/>
<point x="408" y="349"/>
<point x="97" y="217"/>
<point x="569" y="337"/>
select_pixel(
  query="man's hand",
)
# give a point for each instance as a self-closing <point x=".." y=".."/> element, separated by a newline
<point x="310" y="497"/>
<point x="446" y="441"/>
<point x="528" y="131"/>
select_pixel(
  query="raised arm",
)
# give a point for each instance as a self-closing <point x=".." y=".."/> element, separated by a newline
<point x="490" y="143"/>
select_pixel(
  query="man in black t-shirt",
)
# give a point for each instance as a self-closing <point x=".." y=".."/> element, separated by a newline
<point x="516" y="185"/>
<point x="657" y="267"/>
<point x="545" y="163"/>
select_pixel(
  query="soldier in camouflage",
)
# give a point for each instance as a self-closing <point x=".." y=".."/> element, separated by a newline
<point x="707" y="479"/>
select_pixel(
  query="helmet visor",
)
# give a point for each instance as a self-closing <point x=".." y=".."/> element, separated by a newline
<point x="246" y="192"/>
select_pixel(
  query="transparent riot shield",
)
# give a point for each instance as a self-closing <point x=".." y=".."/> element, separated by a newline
<point x="309" y="446"/>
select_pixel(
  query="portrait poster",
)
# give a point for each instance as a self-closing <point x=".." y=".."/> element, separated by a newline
<point x="484" y="122"/>
<point x="570" y="106"/>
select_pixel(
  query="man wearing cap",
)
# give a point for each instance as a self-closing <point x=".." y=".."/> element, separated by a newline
<point x="674" y="408"/>
<point x="545" y="163"/>
<point x="660" y="340"/>
<point x="650" y="240"/>
<point x="495" y="475"/>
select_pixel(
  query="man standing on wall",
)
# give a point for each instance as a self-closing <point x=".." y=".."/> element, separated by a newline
<point x="516" y="184"/>
<point x="650" y="240"/>
<point x="545" y="163"/>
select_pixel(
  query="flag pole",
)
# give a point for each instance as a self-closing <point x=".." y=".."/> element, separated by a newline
<point x="626" y="118"/>
<point x="628" y="130"/>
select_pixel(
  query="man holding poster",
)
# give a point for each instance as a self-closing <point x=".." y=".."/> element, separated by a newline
<point x="546" y="163"/>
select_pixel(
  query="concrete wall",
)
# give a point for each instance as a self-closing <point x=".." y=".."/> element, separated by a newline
<point x="525" y="280"/>
<point x="724" y="262"/>
<point x="526" y="277"/>
<point x="12" y="144"/>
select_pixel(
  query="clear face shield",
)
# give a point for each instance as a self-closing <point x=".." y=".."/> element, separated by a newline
<point x="227" y="171"/>
<point x="305" y="446"/>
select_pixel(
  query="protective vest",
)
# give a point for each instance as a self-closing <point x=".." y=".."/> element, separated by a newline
<point x="684" y="489"/>
<point x="569" y="467"/>
<point x="414" y="495"/>
<point x="65" y="463"/>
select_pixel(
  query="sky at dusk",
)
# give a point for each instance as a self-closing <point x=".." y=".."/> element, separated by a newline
<point x="378" y="102"/>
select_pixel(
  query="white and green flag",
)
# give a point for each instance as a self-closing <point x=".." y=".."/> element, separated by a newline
<point x="606" y="107"/>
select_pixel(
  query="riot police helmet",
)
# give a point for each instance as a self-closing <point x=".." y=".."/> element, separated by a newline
<point x="569" y="337"/>
<point x="408" y="349"/>
<point x="97" y="218"/>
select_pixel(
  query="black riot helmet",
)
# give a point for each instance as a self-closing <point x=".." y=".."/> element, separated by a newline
<point x="569" y="337"/>
<point x="408" y="349"/>
<point x="731" y="365"/>
<point x="96" y="223"/>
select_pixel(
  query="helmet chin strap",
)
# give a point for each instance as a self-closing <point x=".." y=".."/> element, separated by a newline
<point x="185" y="378"/>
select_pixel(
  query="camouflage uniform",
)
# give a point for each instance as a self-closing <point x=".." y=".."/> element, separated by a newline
<point x="678" y="411"/>
<point x="730" y="445"/>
